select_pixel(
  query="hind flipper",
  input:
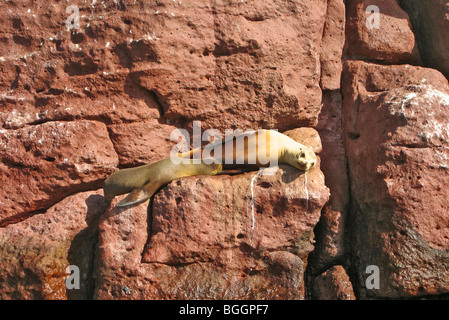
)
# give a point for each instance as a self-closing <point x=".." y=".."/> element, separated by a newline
<point x="138" y="195"/>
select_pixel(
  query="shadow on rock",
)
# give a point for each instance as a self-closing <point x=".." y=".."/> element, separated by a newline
<point x="82" y="249"/>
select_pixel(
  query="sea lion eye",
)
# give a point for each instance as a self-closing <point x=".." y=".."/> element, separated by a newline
<point x="302" y="155"/>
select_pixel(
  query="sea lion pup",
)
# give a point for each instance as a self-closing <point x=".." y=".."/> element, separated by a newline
<point x="249" y="150"/>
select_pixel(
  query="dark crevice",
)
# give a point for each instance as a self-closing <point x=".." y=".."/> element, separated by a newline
<point x="151" y="97"/>
<point x="82" y="251"/>
<point x="15" y="82"/>
<point x="13" y="164"/>
<point x="178" y="264"/>
<point x="315" y="267"/>
<point x="155" y="96"/>
<point x="353" y="135"/>
<point x="20" y="217"/>
<point x="255" y="17"/>
<point x="149" y="227"/>
<point x="83" y="67"/>
<point x="43" y="206"/>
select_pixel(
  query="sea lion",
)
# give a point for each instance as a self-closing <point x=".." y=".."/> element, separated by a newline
<point x="249" y="150"/>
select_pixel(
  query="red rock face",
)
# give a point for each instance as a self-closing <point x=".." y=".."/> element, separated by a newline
<point x="224" y="237"/>
<point x="35" y="253"/>
<point x="431" y="19"/>
<point x="78" y="104"/>
<point x="380" y="30"/>
<point x="233" y="66"/>
<point x="400" y="208"/>
<point x="332" y="45"/>
<point x="334" y="284"/>
<point x="44" y="163"/>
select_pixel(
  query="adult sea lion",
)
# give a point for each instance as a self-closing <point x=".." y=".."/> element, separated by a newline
<point x="249" y="150"/>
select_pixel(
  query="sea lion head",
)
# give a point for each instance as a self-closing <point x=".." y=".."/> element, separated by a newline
<point x="302" y="158"/>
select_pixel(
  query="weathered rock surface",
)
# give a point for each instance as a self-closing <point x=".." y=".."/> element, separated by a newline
<point x="394" y="132"/>
<point x="225" y="64"/>
<point x="332" y="45"/>
<point x="141" y="142"/>
<point x="75" y="105"/>
<point x="363" y="78"/>
<point x="35" y="253"/>
<point x="380" y="30"/>
<point x="430" y="22"/>
<point x="330" y="231"/>
<point x="251" y="74"/>
<point x="232" y="237"/>
<point x="330" y="234"/>
<point x="333" y="164"/>
<point x="397" y="147"/>
<point x="42" y="164"/>
<point x="119" y="67"/>
<point x="308" y="137"/>
<point x="334" y="284"/>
